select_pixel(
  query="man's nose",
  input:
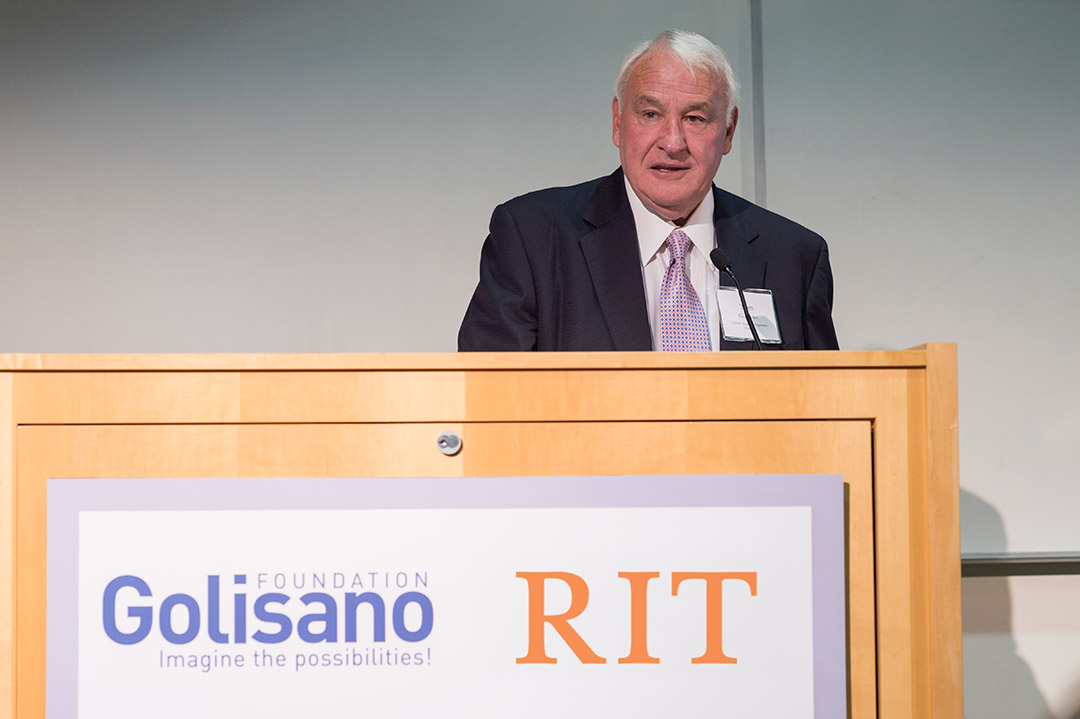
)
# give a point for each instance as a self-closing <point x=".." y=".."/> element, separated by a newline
<point x="672" y="140"/>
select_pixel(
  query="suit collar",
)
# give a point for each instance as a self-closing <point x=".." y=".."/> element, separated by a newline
<point x="613" y="258"/>
<point x="734" y="234"/>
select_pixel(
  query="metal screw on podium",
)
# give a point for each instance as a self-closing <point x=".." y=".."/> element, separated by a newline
<point x="449" y="443"/>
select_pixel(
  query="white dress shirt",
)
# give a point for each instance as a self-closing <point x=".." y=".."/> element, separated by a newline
<point x="652" y="232"/>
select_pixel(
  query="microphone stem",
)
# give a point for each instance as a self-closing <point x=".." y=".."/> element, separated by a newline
<point x="746" y="309"/>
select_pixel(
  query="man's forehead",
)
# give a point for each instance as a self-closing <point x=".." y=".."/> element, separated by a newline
<point x="660" y="73"/>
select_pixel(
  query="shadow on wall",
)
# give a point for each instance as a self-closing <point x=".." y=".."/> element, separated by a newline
<point x="998" y="684"/>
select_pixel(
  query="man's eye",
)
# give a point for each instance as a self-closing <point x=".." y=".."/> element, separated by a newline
<point x="695" y="118"/>
<point x="650" y="114"/>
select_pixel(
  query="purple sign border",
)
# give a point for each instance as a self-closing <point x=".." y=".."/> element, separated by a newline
<point x="824" y="494"/>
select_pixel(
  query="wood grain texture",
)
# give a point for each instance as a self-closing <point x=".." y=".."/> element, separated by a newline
<point x="943" y="507"/>
<point x="898" y="590"/>
<point x="887" y="421"/>
<point x="7" y="546"/>
<point x="452" y="361"/>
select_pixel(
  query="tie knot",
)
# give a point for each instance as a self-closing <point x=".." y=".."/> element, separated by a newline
<point x="678" y="242"/>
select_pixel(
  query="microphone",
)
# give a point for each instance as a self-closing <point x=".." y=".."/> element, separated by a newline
<point x="720" y="259"/>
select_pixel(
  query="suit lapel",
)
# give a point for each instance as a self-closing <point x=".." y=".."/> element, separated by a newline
<point x="735" y="236"/>
<point x="613" y="258"/>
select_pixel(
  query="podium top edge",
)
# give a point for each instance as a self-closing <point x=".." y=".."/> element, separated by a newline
<point x="913" y="358"/>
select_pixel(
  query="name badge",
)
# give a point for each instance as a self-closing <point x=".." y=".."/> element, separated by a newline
<point x="733" y="320"/>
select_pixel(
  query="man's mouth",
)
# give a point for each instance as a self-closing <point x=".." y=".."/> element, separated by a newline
<point x="669" y="168"/>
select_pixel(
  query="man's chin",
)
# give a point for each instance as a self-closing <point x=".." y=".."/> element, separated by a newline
<point x="671" y="208"/>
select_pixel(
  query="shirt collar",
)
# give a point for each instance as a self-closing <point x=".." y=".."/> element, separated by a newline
<point x="652" y="230"/>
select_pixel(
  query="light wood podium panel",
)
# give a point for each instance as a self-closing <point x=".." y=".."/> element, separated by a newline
<point x="886" y="421"/>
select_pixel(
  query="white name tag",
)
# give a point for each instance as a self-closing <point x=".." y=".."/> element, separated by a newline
<point x="733" y="320"/>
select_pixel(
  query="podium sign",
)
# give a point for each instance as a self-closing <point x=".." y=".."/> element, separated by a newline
<point x="528" y="597"/>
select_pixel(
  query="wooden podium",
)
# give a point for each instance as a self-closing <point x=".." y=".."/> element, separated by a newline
<point x="886" y="421"/>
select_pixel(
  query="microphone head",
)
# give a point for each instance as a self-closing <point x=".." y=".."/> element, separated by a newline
<point x="720" y="259"/>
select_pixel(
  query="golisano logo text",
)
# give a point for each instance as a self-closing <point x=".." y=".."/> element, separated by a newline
<point x="318" y="624"/>
<point x="639" y="584"/>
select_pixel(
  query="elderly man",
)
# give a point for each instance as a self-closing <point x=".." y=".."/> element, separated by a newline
<point x="622" y="262"/>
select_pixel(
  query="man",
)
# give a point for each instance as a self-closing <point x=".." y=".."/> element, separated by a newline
<point x="622" y="262"/>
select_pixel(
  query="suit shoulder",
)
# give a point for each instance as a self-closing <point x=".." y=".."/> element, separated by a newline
<point x="762" y="223"/>
<point x="571" y="201"/>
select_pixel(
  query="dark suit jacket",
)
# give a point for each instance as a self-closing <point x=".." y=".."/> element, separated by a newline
<point x="561" y="270"/>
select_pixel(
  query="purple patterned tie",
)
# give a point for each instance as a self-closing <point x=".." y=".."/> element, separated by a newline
<point x="683" y="327"/>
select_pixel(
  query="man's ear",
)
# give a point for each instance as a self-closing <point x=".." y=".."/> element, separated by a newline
<point x="615" y="120"/>
<point x="730" y="131"/>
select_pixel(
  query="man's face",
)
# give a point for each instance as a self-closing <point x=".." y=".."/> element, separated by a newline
<point x="671" y="134"/>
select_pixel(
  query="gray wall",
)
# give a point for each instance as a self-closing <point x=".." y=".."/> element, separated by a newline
<point x="259" y="177"/>
<point x="209" y="177"/>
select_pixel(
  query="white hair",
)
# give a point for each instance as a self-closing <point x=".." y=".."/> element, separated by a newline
<point x="696" y="51"/>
